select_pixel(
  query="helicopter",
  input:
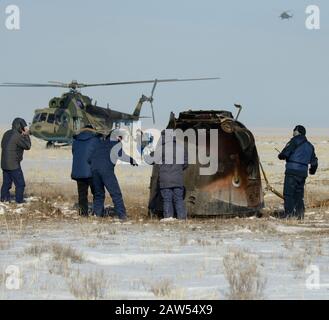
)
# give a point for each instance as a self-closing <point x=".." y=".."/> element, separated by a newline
<point x="285" y="15"/>
<point x="65" y="116"/>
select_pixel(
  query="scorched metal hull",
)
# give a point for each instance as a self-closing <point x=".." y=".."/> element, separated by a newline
<point x="235" y="188"/>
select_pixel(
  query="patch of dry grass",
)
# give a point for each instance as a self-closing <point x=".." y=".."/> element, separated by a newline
<point x="137" y="208"/>
<point x="244" y="276"/>
<point x="314" y="203"/>
<point x="288" y="243"/>
<point x="2" y="278"/>
<point x="44" y="208"/>
<point x="92" y="286"/>
<point x="261" y="225"/>
<point x="165" y="289"/>
<point x="37" y="250"/>
<point x="61" y="267"/>
<point x="4" y="244"/>
<point x="42" y="205"/>
<point x="162" y="288"/>
<point x="300" y="261"/>
<point x="315" y="199"/>
<point x="183" y="241"/>
<point x="59" y="252"/>
<point x="203" y="242"/>
<point x="177" y="294"/>
<point x="306" y="254"/>
<point x="62" y="253"/>
<point x="52" y="192"/>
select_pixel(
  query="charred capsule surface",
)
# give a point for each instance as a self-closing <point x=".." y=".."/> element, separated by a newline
<point x="235" y="188"/>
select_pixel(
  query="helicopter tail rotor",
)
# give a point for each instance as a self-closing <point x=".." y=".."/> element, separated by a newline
<point x="151" y="99"/>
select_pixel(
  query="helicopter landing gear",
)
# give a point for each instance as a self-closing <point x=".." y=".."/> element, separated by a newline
<point x="50" y="145"/>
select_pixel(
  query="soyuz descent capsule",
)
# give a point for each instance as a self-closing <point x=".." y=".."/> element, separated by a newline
<point x="235" y="188"/>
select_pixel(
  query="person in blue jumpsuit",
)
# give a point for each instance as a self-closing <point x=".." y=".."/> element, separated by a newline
<point x="103" y="161"/>
<point x="300" y="160"/>
<point x="82" y="149"/>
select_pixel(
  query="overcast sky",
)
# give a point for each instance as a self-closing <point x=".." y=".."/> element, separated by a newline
<point x="278" y="70"/>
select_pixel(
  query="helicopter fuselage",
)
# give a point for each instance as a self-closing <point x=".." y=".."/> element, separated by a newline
<point x="67" y="115"/>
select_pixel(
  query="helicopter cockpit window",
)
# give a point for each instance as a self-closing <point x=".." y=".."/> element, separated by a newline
<point x="76" y="124"/>
<point x="59" y="116"/>
<point x="51" y="118"/>
<point x="36" y="118"/>
<point x="43" y="117"/>
<point x="64" y="120"/>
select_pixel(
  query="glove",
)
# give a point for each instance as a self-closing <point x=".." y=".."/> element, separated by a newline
<point x="281" y="156"/>
<point x="133" y="162"/>
<point x="312" y="171"/>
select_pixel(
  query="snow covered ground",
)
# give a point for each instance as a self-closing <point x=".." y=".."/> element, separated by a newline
<point x="48" y="252"/>
<point x="148" y="259"/>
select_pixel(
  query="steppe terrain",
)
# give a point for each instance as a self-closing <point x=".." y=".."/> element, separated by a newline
<point x="48" y="252"/>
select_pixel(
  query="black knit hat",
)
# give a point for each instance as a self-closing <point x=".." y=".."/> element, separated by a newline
<point x="301" y="129"/>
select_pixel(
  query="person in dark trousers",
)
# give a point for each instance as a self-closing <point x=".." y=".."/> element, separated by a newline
<point x="300" y="160"/>
<point x="103" y="162"/>
<point x="13" y="144"/>
<point x="171" y="179"/>
<point x="82" y="148"/>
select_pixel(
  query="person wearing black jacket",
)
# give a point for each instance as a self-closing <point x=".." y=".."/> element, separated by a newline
<point x="13" y="144"/>
<point x="82" y="148"/>
<point x="300" y="160"/>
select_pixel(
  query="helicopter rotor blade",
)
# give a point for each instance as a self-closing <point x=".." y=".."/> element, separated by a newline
<point x="75" y="85"/>
<point x="154" y="86"/>
<point x="81" y="85"/>
<point x="58" y="83"/>
<point x="153" y="117"/>
<point x="30" y="85"/>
